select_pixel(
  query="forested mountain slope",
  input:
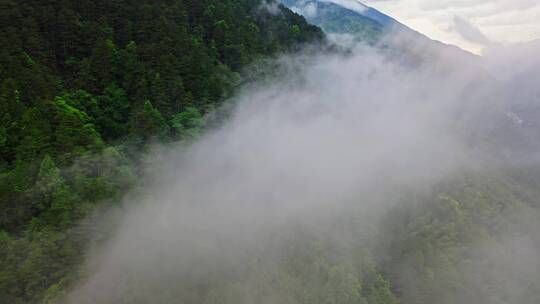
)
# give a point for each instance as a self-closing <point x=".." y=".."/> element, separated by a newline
<point x="336" y="19"/>
<point x="86" y="84"/>
<point x="346" y="176"/>
<point x="368" y="25"/>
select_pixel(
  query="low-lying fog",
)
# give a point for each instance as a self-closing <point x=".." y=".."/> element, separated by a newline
<point x="333" y="136"/>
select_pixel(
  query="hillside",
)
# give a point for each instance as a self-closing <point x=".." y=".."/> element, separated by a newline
<point x="85" y="87"/>
<point x="369" y="25"/>
<point x="227" y="152"/>
<point x="335" y="19"/>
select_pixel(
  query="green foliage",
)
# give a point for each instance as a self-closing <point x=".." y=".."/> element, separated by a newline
<point x="40" y="258"/>
<point x="82" y="83"/>
<point x="48" y="182"/>
<point x="85" y="82"/>
<point x="73" y="132"/>
<point x="108" y="112"/>
<point x="335" y="19"/>
<point x="147" y="123"/>
<point x="379" y="292"/>
<point x="343" y="287"/>
<point x="437" y="241"/>
<point x="295" y="30"/>
<point x="15" y="199"/>
<point x="188" y="124"/>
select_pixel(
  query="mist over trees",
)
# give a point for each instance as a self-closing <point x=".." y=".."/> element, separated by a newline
<point x="182" y="151"/>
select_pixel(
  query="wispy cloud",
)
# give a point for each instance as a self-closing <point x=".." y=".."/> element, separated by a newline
<point x="332" y="133"/>
<point x="505" y="21"/>
<point x="469" y="32"/>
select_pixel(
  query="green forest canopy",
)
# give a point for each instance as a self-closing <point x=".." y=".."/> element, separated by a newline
<point x="86" y="85"/>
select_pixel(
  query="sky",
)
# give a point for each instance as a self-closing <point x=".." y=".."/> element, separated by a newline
<point x="470" y="24"/>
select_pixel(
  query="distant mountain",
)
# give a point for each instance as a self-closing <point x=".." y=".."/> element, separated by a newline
<point x="378" y="16"/>
<point x="414" y="49"/>
<point x="374" y="27"/>
<point x="345" y="17"/>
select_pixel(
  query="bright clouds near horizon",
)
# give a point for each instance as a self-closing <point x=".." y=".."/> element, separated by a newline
<point x="470" y="24"/>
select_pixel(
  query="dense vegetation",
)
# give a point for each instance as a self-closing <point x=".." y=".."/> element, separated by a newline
<point x="85" y="85"/>
<point x="470" y="240"/>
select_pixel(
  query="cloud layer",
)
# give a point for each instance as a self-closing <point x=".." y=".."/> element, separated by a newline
<point x="330" y="135"/>
<point x="505" y="21"/>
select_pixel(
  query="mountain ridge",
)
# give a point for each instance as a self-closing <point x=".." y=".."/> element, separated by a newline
<point x="363" y="22"/>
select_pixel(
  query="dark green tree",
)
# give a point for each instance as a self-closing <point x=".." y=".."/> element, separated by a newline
<point x="147" y="123"/>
